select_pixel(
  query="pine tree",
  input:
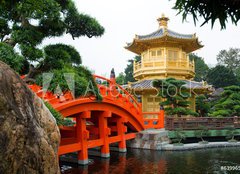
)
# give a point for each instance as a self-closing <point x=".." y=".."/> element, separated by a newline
<point x="176" y="97"/>
<point x="229" y="104"/>
<point x="25" y="24"/>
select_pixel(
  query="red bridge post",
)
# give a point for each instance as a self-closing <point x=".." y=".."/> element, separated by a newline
<point x="104" y="132"/>
<point x="121" y="132"/>
<point x="82" y="137"/>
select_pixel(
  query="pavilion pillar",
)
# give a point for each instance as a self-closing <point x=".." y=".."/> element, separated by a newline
<point x="121" y="129"/>
<point x="82" y="137"/>
<point x="104" y="132"/>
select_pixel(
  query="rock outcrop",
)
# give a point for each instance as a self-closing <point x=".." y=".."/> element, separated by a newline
<point x="29" y="136"/>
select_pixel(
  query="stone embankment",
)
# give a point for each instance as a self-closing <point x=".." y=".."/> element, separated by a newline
<point x="158" y="140"/>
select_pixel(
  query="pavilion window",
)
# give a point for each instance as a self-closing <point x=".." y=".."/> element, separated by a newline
<point x="160" y="53"/>
<point x="153" y="104"/>
<point x="183" y="56"/>
<point x="172" y="55"/>
<point x="157" y="100"/>
<point x="150" y="99"/>
<point x="156" y="54"/>
<point x="153" y="53"/>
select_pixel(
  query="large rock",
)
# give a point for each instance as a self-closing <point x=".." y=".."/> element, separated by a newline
<point x="29" y="136"/>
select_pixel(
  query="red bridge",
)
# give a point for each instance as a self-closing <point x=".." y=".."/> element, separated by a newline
<point x="98" y="124"/>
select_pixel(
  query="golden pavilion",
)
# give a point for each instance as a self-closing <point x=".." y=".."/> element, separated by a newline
<point x="164" y="54"/>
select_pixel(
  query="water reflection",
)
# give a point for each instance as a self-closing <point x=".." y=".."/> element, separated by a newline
<point x="151" y="162"/>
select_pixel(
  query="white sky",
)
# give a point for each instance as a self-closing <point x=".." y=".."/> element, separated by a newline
<point x="123" y="19"/>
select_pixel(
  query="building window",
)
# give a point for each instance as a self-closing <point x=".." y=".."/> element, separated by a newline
<point x="156" y="54"/>
<point x="172" y="55"/>
<point x="159" y="53"/>
<point x="184" y="56"/>
<point x="149" y="99"/>
<point x="153" y="53"/>
<point x="153" y="104"/>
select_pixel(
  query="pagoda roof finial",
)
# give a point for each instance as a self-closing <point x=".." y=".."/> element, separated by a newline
<point x="163" y="21"/>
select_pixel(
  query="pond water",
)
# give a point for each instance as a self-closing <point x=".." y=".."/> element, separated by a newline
<point x="137" y="161"/>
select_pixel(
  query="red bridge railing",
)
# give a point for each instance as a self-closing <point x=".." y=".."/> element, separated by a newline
<point x="116" y="90"/>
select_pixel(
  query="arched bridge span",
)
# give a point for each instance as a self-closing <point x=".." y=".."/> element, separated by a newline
<point x="115" y="119"/>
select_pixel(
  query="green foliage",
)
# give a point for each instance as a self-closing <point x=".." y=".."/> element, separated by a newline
<point x="209" y="10"/>
<point x="202" y="106"/>
<point x="221" y="76"/>
<point x="10" y="57"/>
<point x="201" y="68"/>
<point x="59" y="55"/>
<point x="229" y="104"/>
<point x="176" y="96"/>
<point x="31" y="53"/>
<point x="202" y="132"/>
<point x="179" y="136"/>
<point x="58" y="116"/>
<point x="84" y="84"/>
<point x="238" y="74"/>
<point x="129" y="70"/>
<point x="231" y="133"/>
<point x="81" y="24"/>
<point x="229" y="58"/>
<point x="221" y="113"/>
<point x="68" y="122"/>
<point x="28" y="22"/>
<point x="120" y="79"/>
<point x="5" y="30"/>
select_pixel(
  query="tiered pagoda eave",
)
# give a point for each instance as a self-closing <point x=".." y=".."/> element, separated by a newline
<point x="166" y="38"/>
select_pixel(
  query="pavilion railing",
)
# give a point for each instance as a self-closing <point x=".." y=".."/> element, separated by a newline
<point x="194" y="123"/>
<point x="153" y="119"/>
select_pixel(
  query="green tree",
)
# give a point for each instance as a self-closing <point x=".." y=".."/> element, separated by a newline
<point x="202" y="106"/>
<point x="129" y="69"/>
<point x="201" y="133"/>
<point x="121" y="79"/>
<point x="229" y="104"/>
<point x="238" y="74"/>
<point x="221" y="76"/>
<point x="27" y="23"/>
<point x="84" y="83"/>
<point x="179" y="136"/>
<point x="221" y="10"/>
<point x="231" y="133"/>
<point x="176" y="97"/>
<point x="201" y="68"/>
<point x="10" y="57"/>
<point x="230" y="58"/>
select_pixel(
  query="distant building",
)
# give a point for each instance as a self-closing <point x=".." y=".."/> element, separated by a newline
<point x="164" y="54"/>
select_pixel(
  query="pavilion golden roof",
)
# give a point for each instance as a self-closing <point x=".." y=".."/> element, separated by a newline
<point x="164" y="37"/>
